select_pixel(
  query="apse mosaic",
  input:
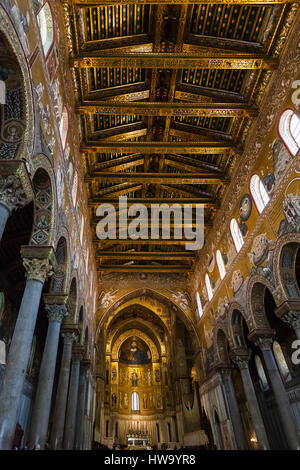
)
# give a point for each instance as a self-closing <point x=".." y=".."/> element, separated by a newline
<point x="134" y="351"/>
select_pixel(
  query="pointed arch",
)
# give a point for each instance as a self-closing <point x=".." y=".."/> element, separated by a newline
<point x="221" y="265"/>
<point x="259" y="193"/>
<point x="236" y="235"/>
<point x="289" y="130"/>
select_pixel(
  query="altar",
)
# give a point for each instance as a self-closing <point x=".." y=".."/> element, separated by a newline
<point x="138" y="440"/>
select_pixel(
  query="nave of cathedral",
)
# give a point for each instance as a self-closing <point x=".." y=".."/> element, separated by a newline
<point x="112" y="341"/>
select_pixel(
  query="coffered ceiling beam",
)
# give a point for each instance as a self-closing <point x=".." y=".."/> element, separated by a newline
<point x="199" y="148"/>
<point x="145" y="268"/>
<point x="143" y="255"/>
<point x="156" y="178"/>
<point x="168" y="109"/>
<point x="160" y="242"/>
<point x="174" y="61"/>
<point x="118" y="191"/>
<point x="93" y="3"/>
<point x="182" y="165"/>
<point x="207" y="202"/>
<point x="121" y="166"/>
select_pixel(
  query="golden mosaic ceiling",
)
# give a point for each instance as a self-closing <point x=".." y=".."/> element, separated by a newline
<point x="166" y="94"/>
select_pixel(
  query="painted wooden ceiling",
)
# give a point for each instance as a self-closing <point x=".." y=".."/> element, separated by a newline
<point x="211" y="59"/>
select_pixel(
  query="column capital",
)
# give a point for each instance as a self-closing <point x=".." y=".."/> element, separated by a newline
<point x="292" y="318"/>
<point x="56" y="313"/>
<point x="263" y="338"/>
<point x="289" y="312"/>
<point x="39" y="262"/>
<point x="70" y="332"/>
<point x="69" y="336"/>
<point x="240" y="357"/>
<point x="78" y="352"/>
<point x="15" y="185"/>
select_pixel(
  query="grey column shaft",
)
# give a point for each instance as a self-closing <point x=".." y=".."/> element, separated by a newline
<point x="297" y="331"/>
<point x="282" y="400"/>
<point x="69" y="437"/>
<point x="4" y="214"/>
<point x="235" y="414"/>
<point x="17" y="362"/>
<point x="81" y="409"/>
<point x="57" y="432"/>
<point x="254" y="410"/>
<point x="42" y="404"/>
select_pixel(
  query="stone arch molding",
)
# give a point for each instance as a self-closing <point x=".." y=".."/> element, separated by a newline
<point x="281" y="292"/>
<point x="136" y="293"/>
<point x="9" y="32"/>
<point x="139" y="334"/>
<point x="255" y="300"/>
<point x="45" y="207"/>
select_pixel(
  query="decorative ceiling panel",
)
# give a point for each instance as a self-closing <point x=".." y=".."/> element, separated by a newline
<point x="116" y="21"/>
<point x="228" y="21"/>
<point x="103" y="78"/>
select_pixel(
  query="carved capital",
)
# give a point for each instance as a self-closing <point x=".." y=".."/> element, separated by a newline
<point x="12" y="195"/>
<point x="56" y="313"/>
<point x="15" y="185"/>
<point x="262" y="338"/>
<point x="70" y="336"/>
<point x="37" y="269"/>
<point x="38" y="261"/>
<point x="292" y="318"/>
<point x="240" y="357"/>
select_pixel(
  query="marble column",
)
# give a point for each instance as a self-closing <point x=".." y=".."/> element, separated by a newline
<point x="42" y="403"/>
<point x="241" y="359"/>
<point x="15" y="189"/>
<point x="234" y="410"/>
<point x="69" y="437"/>
<point x="81" y="405"/>
<point x="37" y="271"/>
<point x="283" y="404"/>
<point x="57" y="432"/>
<point x="4" y="214"/>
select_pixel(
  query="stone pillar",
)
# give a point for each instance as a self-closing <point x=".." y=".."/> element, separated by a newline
<point x="289" y="312"/>
<point x="57" y="433"/>
<point x="81" y="405"/>
<point x="69" y="437"/>
<point x="42" y="404"/>
<point x="15" y="189"/>
<point x="241" y="359"/>
<point x="234" y="410"/>
<point x="283" y="404"/>
<point x="37" y="261"/>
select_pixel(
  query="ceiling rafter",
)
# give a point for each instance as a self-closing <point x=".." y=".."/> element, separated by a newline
<point x="234" y="110"/>
<point x="175" y="61"/>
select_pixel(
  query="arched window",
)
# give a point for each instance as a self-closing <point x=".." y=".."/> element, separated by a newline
<point x="220" y="264"/>
<point x="75" y="188"/>
<point x="281" y="362"/>
<point x="45" y="24"/>
<point x="64" y="127"/>
<point x="81" y="229"/>
<point x="259" y="193"/>
<point x="199" y="305"/>
<point x="135" y="402"/>
<point x="208" y="287"/>
<point x="261" y="374"/>
<point x="87" y="262"/>
<point x="289" y="130"/>
<point x="236" y="235"/>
